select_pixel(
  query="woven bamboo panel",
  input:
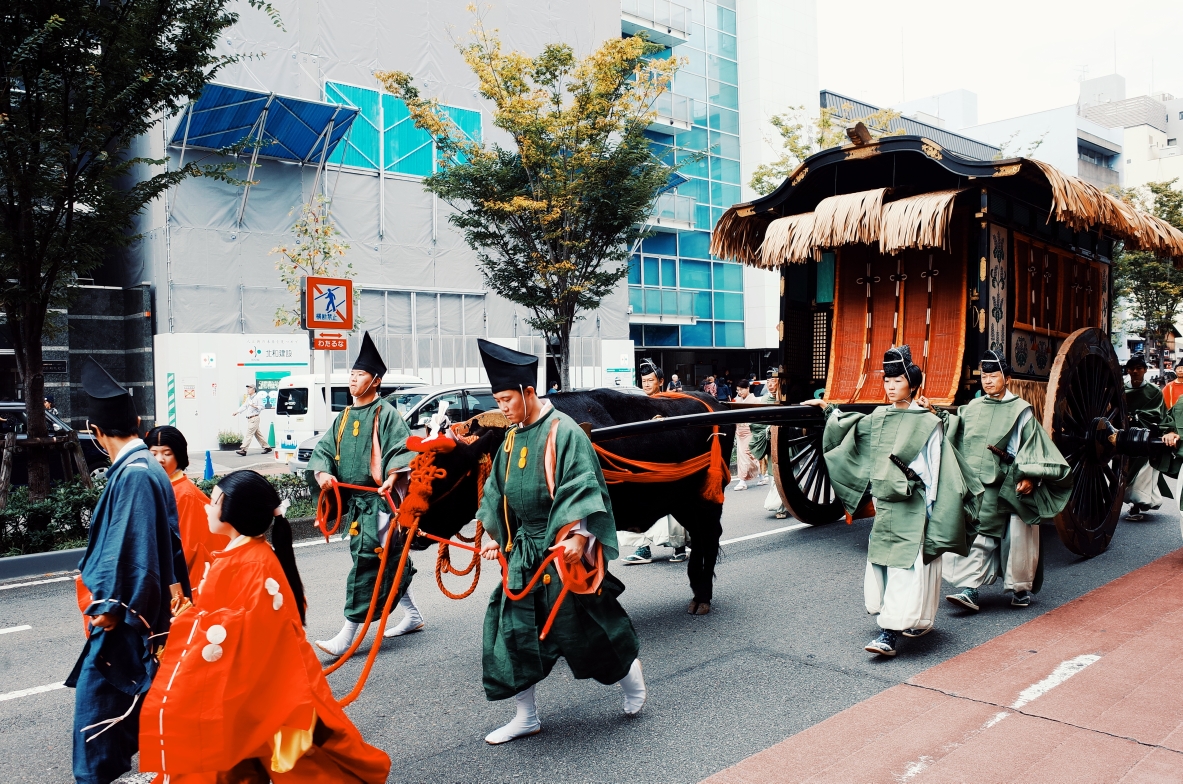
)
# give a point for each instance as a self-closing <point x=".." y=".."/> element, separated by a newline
<point x="1034" y="392"/>
<point x="849" y="327"/>
<point x="884" y="327"/>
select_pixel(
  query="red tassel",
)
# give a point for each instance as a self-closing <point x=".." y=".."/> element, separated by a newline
<point x="718" y="474"/>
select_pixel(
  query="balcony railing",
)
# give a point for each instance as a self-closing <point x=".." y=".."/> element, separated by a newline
<point x="673" y="211"/>
<point x="655" y="306"/>
<point x="673" y="113"/>
<point x="665" y="22"/>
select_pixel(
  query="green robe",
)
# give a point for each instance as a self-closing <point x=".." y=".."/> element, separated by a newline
<point x="986" y="422"/>
<point x="345" y="451"/>
<point x="857" y="448"/>
<point x="761" y="443"/>
<point x="1146" y="408"/>
<point x="591" y="631"/>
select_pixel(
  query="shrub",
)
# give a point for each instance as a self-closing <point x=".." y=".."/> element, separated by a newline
<point x="291" y="487"/>
<point x="59" y="522"/>
<point x="229" y="437"/>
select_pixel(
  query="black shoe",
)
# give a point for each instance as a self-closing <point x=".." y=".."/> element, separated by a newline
<point x="266" y="449"/>
<point x="240" y="452"/>
<point x="884" y="644"/>
<point x="1021" y="599"/>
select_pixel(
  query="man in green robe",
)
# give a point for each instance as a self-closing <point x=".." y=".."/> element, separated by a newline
<point x="546" y="491"/>
<point x="761" y="446"/>
<point x="1025" y="482"/>
<point x="925" y="498"/>
<point x="1145" y="486"/>
<point x="367" y="445"/>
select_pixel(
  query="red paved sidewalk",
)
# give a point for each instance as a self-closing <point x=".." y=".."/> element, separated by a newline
<point x="1089" y="692"/>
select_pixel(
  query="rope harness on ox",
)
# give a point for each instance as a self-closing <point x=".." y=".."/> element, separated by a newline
<point x="407" y="516"/>
<point x="619" y="469"/>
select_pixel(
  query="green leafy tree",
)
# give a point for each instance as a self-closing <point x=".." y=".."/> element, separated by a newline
<point x="1151" y="288"/>
<point x="81" y="81"/>
<point x="553" y="216"/>
<point x="802" y="135"/>
<point x="314" y="251"/>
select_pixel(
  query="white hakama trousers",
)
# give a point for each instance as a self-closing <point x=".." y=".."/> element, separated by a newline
<point x="665" y="532"/>
<point x="983" y="565"/>
<point x="903" y="598"/>
<point x="1144" y="489"/>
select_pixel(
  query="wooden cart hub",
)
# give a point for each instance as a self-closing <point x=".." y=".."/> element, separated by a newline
<point x="901" y="241"/>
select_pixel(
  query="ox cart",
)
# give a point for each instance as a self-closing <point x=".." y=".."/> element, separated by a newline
<point x="900" y="241"/>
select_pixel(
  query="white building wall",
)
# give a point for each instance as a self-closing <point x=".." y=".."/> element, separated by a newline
<point x="777" y="70"/>
<point x="1059" y="129"/>
<point x="1148" y="158"/>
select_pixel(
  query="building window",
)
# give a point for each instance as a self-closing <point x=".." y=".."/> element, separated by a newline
<point x="385" y="135"/>
<point x="1181" y="115"/>
<point x="1095" y="157"/>
<point x="1172" y="142"/>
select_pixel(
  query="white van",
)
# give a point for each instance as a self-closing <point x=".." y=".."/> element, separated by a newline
<point x="298" y="399"/>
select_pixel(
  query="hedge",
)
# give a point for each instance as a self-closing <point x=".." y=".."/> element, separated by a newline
<point x="62" y="520"/>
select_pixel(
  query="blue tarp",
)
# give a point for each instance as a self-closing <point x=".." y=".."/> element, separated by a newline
<point x="293" y="130"/>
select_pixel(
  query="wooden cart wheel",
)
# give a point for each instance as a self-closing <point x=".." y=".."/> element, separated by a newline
<point x="799" y="470"/>
<point x="1085" y="403"/>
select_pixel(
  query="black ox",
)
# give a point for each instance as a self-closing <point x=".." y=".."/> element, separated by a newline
<point x="635" y="506"/>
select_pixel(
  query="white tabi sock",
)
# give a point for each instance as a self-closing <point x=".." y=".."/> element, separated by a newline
<point x="633" y="686"/>
<point x="412" y="621"/>
<point x="339" y="644"/>
<point x="524" y="723"/>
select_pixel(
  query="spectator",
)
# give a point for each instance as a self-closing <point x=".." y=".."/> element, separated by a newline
<point x="722" y="390"/>
<point x="709" y="386"/>
<point x="747" y="466"/>
<point x="675" y="385"/>
<point x="251" y="408"/>
<point x="652" y="379"/>
<point x="553" y="388"/>
<point x="49" y="405"/>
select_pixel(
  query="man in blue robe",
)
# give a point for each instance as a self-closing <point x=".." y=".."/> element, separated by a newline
<point x="133" y="569"/>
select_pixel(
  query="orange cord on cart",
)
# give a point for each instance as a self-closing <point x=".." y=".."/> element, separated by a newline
<point x="423" y="472"/>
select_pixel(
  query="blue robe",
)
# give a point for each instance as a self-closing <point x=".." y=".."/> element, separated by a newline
<point x="132" y="558"/>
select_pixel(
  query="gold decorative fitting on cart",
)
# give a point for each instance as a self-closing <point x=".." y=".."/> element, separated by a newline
<point x="982" y="269"/>
<point x="800" y="175"/>
<point x="546" y="579"/>
<point x="1006" y="171"/>
<point x="931" y="149"/>
<point x="862" y="152"/>
<point x="745" y="212"/>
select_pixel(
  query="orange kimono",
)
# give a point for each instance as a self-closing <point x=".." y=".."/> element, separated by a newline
<point x="197" y="541"/>
<point x="240" y="692"/>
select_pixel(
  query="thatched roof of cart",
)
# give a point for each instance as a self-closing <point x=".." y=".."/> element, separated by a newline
<point x="900" y="192"/>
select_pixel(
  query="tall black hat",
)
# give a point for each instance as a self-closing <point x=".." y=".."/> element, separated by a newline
<point x="167" y="435"/>
<point x="897" y="361"/>
<point x="368" y="358"/>
<point x="1136" y="360"/>
<point x="995" y="362"/>
<point x="507" y="369"/>
<point x="111" y="406"/>
<point x="650" y="368"/>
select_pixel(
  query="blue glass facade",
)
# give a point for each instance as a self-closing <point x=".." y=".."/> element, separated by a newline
<point x="674" y="273"/>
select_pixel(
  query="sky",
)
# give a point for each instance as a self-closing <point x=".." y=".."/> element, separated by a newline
<point x="1019" y="56"/>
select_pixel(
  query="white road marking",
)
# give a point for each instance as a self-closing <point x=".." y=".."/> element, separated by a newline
<point x="1062" y="673"/>
<point x="11" y="629"/>
<point x="786" y="529"/>
<point x="37" y="582"/>
<point x="15" y="695"/>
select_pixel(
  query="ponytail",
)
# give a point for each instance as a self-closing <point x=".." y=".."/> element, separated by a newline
<point x="281" y="542"/>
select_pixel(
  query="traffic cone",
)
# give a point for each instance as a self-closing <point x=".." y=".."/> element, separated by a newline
<point x="209" y="466"/>
<point x="271" y="436"/>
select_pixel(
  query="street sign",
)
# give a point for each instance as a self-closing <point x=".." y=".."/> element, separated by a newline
<point x="327" y="303"/>
<point x="329" y="341"/>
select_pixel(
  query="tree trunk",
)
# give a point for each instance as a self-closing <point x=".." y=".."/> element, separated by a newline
<point x="565" y="357"/>
<point x="27" y="342"/>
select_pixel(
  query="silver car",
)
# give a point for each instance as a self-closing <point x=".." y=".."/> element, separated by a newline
<point x="417" y="404"/>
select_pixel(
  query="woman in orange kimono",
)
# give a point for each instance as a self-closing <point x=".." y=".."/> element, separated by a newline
<point x="170" y="449"/>
<point x="240" y="696"/>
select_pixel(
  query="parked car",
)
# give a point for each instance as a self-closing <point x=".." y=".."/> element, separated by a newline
<point x="417" y="404"/>
<point x="14" y="420"/>
<point x="294" y="417"/>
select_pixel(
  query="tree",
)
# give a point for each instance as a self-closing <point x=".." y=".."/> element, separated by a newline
<point x="314" y="252"/>
<point x="552" y="219"/>
<point x="81" y="80"/>
<point x="802" y="136"/>
<point x="1151" y="287"/>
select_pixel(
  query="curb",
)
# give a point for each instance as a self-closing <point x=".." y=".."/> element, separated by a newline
<point x="40" y="563"/>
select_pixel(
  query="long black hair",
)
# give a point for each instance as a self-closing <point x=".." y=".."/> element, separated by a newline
<point x="249" y="503"/>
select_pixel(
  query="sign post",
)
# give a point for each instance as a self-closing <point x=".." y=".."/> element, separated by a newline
<point x="326" y="304"/>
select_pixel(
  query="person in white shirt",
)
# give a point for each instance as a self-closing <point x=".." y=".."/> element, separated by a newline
<point x="251" y="409"/>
